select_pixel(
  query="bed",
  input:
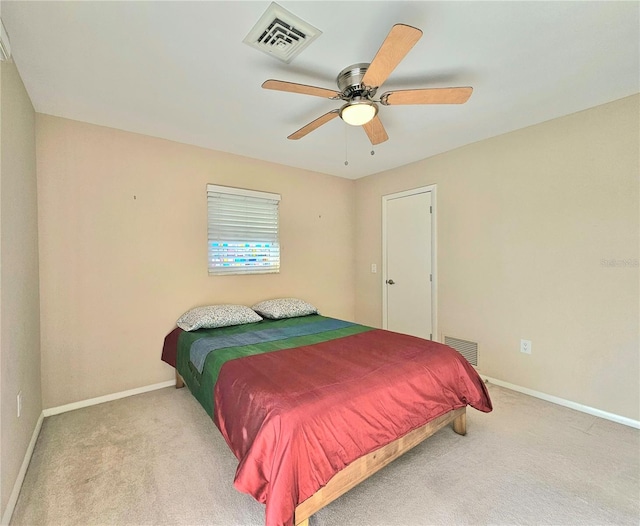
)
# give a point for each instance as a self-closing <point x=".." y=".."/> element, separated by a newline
<point x="312" y="405"/>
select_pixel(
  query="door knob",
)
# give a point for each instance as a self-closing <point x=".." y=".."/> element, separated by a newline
<point x="390" y="282"/>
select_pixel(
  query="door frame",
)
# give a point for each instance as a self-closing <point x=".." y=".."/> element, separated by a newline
<point x="434" y="259"/>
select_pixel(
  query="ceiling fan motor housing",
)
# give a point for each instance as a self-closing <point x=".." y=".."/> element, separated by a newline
<point x="350" y="82"/>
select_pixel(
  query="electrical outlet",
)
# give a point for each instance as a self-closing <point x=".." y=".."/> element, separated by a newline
<point x="19" y="403"/>
<point x="374" y="268"/>
<point x="525" y="346"/>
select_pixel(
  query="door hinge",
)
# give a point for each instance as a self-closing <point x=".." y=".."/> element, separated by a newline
<point x="430" y="336"/>
<point x="431" y="277"/>
<point x="431" y="210"/>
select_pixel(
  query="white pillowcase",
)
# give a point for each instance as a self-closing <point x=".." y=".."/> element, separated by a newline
<point x="213" y="316"/>
<point x="284" y="308"/>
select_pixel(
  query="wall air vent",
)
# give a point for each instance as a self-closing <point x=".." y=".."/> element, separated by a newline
<point x="466" y="348"/>
<point x="5" y="47"/>
<point x="281" y="34"/>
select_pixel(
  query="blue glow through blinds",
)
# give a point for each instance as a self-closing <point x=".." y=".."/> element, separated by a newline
<point x="242" y="231"/>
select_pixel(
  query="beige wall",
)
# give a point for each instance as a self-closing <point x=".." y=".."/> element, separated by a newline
<point x="117" y="271"/>
<point x="525" y="221"/>
<point x="19" y="300"/>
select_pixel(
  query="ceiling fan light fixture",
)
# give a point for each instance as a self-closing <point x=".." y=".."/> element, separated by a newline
<point x="358" y="112"/>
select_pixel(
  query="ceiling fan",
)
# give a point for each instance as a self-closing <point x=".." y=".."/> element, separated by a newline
<point x="359" y="83"/>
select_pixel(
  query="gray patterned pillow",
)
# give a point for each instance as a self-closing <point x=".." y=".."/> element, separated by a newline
<point x="214" y="316"/>
<point x="284" y="308"/>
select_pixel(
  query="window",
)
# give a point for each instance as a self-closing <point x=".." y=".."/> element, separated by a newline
<point x="242" y="231"/>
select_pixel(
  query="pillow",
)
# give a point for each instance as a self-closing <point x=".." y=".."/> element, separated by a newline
<point x="284" y="308"/>
<point x="214" y="316"/>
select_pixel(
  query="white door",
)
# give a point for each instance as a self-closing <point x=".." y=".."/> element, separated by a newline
<point x="408" y="292"/>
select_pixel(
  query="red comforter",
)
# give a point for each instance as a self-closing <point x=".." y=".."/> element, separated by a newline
<point x="296" y="417"/>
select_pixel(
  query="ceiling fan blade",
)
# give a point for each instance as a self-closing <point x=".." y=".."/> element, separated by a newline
<point x="292" y="87"/>
<point x="398" y="43"/>
<point x="427" y="96"/>
<point x="313" y="125"/>
<point x="375" y="131"/>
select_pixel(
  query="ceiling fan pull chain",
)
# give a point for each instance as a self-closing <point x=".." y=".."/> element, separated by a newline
<point x="346" y="146"/>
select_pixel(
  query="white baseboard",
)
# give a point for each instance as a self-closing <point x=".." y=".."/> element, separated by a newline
<point x="106" y="398"/>
<point x="566" y="403"/>
<point x="13" y="498"/>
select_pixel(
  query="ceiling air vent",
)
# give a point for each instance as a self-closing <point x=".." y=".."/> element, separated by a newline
<point x="281" y="34"/>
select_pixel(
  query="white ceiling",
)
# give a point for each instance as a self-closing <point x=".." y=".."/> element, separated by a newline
<point x="179" y="70"/>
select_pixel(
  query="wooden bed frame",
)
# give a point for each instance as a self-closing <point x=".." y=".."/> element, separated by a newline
<point x="363" y="467"/>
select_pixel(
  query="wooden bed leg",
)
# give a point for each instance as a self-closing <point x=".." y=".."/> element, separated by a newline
<point x="304" y="522"/>
<point x="179" y="380"/>
<point x="460" y="424"/>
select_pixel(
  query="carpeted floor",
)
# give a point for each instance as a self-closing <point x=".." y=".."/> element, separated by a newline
<point x="157" y="459"/>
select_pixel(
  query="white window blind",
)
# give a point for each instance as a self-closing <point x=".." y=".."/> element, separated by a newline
<point x="242" y="231"/>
